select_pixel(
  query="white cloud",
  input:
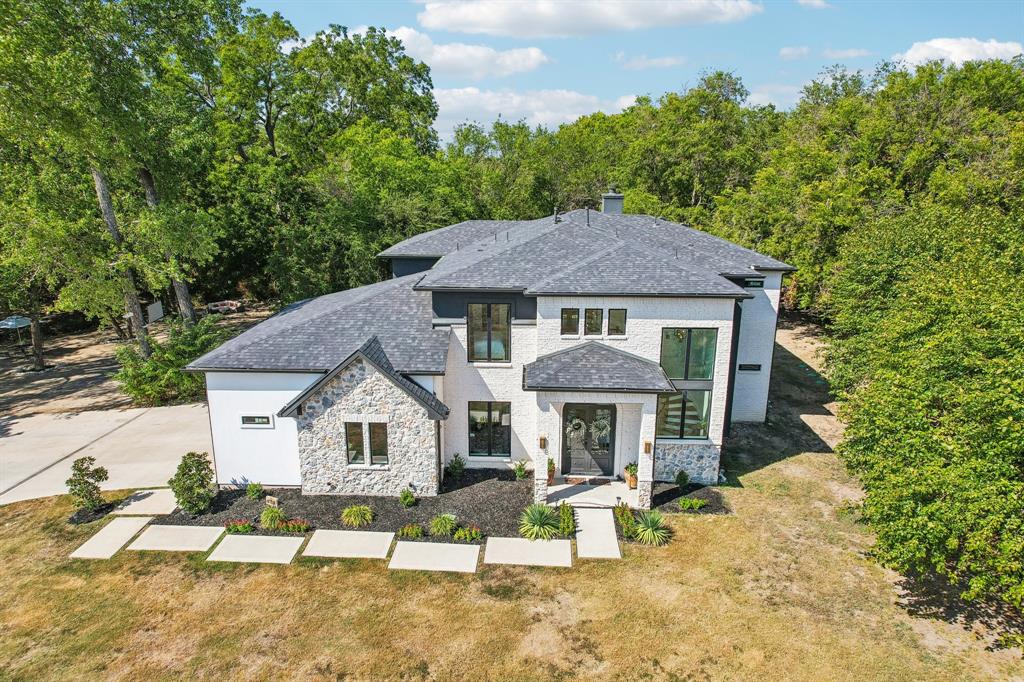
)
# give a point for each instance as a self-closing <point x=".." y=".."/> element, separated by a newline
<point x="791" y="53"/>
<point x="548" y="19"/>
<point x="469" y="61"/>
<point x="814" y="4"/>
<point x="782" y="96"/>
<point x="851" y="53"/>
<point x="549" y="108"/>
<point x="642" y="62"/>
<point x="958" y="50"/>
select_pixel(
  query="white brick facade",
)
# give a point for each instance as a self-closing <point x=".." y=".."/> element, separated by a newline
<point x="756" y="346"/>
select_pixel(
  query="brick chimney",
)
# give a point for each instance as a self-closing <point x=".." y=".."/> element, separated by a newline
<point x="611" y="201"/>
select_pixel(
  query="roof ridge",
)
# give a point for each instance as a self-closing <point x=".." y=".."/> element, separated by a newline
<point x="573" y="268"/>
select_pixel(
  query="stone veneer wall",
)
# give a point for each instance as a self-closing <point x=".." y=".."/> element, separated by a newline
<point x="699" y="460"/>
<point x="360" y="390"/>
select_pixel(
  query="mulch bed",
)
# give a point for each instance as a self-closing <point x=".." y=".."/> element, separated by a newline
<point x="82" y="516"/>
<point x="489" y="498"/>
<point x="666" y="500"/>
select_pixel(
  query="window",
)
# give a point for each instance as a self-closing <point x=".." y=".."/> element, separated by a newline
<point x="684" y="415"/>
<point x="749" y="368"/>
<point x="688" y="354"/>
<point x="616" y="322"/>
<point x="753" y="284"/>
<point x="378" y="443"/>
<point x="257" y="421"/>
<point x="354" y="443"/>
<point x="490" y="429"/>
<point x="488" y="327"/>
<point x="593" y="321"/>
<point x="570" y="321"/>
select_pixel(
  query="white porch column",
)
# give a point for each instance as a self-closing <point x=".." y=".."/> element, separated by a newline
<point x="547" y="424"/>
<point x="645" y="464"/>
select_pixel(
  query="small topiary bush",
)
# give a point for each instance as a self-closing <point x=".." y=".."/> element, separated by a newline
<point x="411" y="530"/>
<point x="443" y="525"/>
<point x="84" y="484"/>
<point x="294" y="526"/>
<point x="469" y="533"/>
<point x="691" y="503"/>
<point x="456" y="467"/>
<point x="651" y="529"/>
<point x="538" y="522"/>
<point x="682" y="478"/>
<point x="566" y="521"/>
<point x="239" y="526"/>
<point x="271" y="517"/>
<point x="254" y="491"/>
<point x="627" y="521"/>
<point x="158" y="379"/>
<point x="407" y="498"/>
<point x="356" y="516"/>
<point x="519" y="469"/>
<point x="193" y="483"/>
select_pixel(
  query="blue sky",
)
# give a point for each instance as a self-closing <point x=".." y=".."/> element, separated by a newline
<point x="549" y="62"/>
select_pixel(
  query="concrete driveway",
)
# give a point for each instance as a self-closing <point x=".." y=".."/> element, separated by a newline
<point x="140" y="447"/>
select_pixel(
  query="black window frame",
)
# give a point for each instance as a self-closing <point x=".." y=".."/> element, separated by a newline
<point x="562" y="321"/>
<point x="686" y="384"/>
<point x="490" y="428"/>
<point x="625" y="318"/>
<point x="372" y="457"/>
<point x="600" y="331"/>
<point x="753" y="283"/>
<point x="470" y="350"/>
<point x="686" y="354"/>
<point x="682" y="417"/>
<point x="361" y="441"/>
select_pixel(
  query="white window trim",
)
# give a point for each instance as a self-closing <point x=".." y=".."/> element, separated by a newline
<point x="255" y="426"/>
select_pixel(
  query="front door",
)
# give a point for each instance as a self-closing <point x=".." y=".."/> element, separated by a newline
<point x="588" y="440"/>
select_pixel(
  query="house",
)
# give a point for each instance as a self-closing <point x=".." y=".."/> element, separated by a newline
<point x="595" y="339"/>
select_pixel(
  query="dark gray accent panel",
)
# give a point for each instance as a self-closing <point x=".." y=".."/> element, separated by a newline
<point x="452" y="304"/>
<point x="400" y="267"/>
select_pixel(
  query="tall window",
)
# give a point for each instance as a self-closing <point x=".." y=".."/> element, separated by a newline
<point x="489" y="331"/>
<point x="354" y="443"/>
<point x="593" y="321"/>
<point x="688" y="358"/>
<point x="570" y="321"/>
<point x="490" y="429"/>
<point x="378" y="443"/>
<point x="616" y="321"/>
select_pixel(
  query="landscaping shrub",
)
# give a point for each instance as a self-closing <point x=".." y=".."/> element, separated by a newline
<point x="469" y="533"/>
<point x="193" y="483"/>
<point x="407" y="498"/>
<point x="357" y="515"/>
<point x="254" y="491"/>
<point x="271" y="517"/>
<point x="455" y="467"/>
<point x="627" y="521"/>
<point x="691" y="503"/>
<point x="651" y="529"/>
<point x="158" y="379"/>
<point x="411" y="530"/>
<point x="538" y="522"/>
<point x="682" y="478"/>
<point x="566" y="521"/>
<point x="294" y="526"/>
<point x="84" y="486"/>
<point x="239" y="526"/>
<point x="443" y="525"/>
<point x="519" y="468"/>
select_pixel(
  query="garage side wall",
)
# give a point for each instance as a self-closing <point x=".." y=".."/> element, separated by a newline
<point x="360" y="393"/>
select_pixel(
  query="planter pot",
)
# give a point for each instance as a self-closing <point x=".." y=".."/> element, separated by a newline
<point x="551" y="477"/>
<point x="630" y="480"/>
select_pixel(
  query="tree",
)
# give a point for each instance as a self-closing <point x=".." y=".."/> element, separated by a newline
<point x="83" y="486"/>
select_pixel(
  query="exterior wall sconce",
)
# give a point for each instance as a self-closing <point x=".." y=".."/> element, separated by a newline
<point x="543" y="442"/>
<point x="647" y="447"/>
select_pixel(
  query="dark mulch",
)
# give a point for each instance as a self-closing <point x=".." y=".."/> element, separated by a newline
<point x="489" y="498"/>
<point x="83" y="516"/>
<point x="666" y="500"/>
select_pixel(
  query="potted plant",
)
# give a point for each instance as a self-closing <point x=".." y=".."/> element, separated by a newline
<point x="630" y="473"/>
<point x="551" y="471"/>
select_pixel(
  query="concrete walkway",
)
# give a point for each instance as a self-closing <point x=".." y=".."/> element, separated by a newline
<point x="600" y="496"/>
<point x="111" y="538"/>
<point x="257" y="549"/>
<point x="595" y="534"/>
<point x="140" y="448"/>
<point x="435" y="556"/>
<point x="523" y="552"/>
<point x="147" y="502"/>
<point x="177" y="538"/>
<point x="349" y="544"/>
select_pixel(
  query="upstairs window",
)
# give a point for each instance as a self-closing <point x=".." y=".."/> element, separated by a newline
<point x="570" y="321"/>
<point x="489" y="332"/>
<point x="617" y="322"/>
<point x="688" y="358"/>
<point x="593" y="322"/>
<point x="688" y="354"/>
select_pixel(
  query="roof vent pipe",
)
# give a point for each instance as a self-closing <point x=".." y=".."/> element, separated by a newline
<point x="611" y="201"/>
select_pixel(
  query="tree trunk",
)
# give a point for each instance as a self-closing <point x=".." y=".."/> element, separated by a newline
<point x="131" y="295"/>
<point x="181" y="292"/>
<point x="37" y="342"/>
<point x="117" y="327"/>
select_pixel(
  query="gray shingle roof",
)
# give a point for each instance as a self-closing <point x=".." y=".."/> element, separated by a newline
<point x="316" y="334"/>
<point x="594" y="366"/>
<point x="613" y="254"/>
<point x="437" y="243"/>
<point x="373" y="353"/>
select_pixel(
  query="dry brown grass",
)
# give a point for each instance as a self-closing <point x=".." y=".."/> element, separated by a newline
<point x="781" y="588"/>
